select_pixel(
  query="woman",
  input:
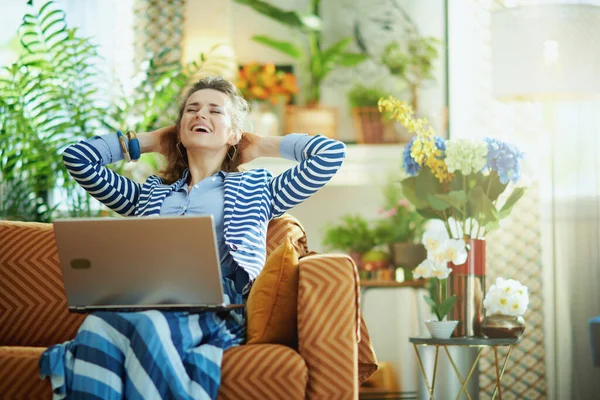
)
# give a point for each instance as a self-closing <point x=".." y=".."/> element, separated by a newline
<point x="177" y="354"/>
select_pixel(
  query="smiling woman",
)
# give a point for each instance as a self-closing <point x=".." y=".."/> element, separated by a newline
<point x="204" y="150"/>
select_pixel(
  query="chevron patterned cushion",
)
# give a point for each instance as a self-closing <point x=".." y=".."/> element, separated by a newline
<point x="261" y="372"/>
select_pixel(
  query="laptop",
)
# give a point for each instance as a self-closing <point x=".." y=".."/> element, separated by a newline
<point x="135" y="264"/>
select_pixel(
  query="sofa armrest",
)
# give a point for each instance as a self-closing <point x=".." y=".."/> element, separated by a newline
<point x="328" y="323"/>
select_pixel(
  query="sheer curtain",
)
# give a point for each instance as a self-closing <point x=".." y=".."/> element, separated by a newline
<point x="572" y="204"/>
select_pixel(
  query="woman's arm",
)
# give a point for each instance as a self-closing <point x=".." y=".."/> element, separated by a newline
<point x="319" y="159"/>
<point x="86" y="160"/>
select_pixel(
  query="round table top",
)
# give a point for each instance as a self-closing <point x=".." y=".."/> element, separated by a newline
<point x="464" y="341"/>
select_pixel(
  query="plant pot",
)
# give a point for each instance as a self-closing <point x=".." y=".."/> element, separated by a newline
<point x="499" y="326"/>
<point x="264" y="119"/>
<point x="441" y="329"/>
<point x="467" y="283"/>
<point x="407" y="255"/>
<point x="313" y="120"/>
<point x="371" y="127"/>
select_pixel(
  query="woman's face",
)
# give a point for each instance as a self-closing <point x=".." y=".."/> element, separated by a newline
<point x="206" y="121"/>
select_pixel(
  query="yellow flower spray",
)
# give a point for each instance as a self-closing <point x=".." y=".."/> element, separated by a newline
<point x="423" y="151"/>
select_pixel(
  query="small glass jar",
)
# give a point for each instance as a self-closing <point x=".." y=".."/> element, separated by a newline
<point x="500" y="326"/>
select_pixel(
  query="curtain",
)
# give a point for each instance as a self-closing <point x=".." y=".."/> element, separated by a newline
<point x="573" y="215"/>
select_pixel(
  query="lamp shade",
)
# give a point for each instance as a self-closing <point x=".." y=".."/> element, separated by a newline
<point x="546" y="51"/>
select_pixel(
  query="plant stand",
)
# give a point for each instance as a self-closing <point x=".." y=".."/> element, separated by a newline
<point x="480" y="344"/>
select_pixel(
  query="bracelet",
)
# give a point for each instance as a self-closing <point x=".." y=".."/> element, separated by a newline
<point x="134" y="146"/>
<point x="123" y="146"/>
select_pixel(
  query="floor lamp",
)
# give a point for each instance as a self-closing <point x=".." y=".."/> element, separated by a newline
<point x="547" y="53"/>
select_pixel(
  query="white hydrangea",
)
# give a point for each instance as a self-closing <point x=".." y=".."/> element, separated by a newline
<point x="465" y="155"/>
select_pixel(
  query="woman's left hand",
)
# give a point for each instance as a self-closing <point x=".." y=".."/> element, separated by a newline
<point x="250" y="147"/>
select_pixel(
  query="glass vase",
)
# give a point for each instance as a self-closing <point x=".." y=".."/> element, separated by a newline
<point x="467" y="283"/>
<point x="499" y="326"/>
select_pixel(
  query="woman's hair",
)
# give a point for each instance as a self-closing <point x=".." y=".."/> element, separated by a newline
<point x="177" y="154"/>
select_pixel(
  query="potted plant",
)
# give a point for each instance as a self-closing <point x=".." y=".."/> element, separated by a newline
<point x="353" y="235"/>
<point x="412" y="62"/>
<point x="317" y="62"/>
<point x="441" y="250"/>
<point x="399" y="228"/>
<point x="266" y="88"/>
<point x="505" y="302"/>
<point x="371" y="126"/>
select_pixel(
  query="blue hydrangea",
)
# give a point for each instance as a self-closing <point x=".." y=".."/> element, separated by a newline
<point x="505" y="159"/>
<point x="440" y="144"/>
<point x="410" y="165"/>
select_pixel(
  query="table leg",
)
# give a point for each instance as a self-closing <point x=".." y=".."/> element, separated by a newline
<point x="464" y="385"/>
<point x="430" y="389"/>
<point x="458" y="375"/>
<point x="498" y="388"/>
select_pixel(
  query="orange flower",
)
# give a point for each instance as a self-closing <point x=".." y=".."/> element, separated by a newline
<point x="265" y="82"/>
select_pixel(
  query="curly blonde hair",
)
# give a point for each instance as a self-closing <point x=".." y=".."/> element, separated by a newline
<point x="176" y="161"/>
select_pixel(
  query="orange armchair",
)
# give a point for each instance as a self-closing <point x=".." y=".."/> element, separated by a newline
<point x="334" y="352"/>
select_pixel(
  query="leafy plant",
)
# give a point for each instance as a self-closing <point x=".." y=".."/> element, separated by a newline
<point x="400" y="222"/>
<point x="459" y="181"/>
<point x="363" y="96"/>
<point x="412" y="61"/>
<point x="351" y="234"/>
<point x="317" y="61"/>
<point x="48" y="98"/>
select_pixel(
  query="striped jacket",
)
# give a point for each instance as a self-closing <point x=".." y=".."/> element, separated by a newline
<point x="252" y="198"/>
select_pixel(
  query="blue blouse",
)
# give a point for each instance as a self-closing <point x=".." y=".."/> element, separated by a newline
<point x="206" y="197"/>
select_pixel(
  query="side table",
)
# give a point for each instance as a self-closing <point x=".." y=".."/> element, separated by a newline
<point x="480" y="343"/>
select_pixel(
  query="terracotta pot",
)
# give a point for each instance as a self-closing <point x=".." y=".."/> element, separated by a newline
<point x="312" y="120"/>
<point x="371" y="127"/>
<point x="467" y="282"/>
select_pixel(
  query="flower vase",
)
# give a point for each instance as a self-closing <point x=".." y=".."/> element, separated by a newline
<point x="500" y="326"/>
<point x="467" y="283"/>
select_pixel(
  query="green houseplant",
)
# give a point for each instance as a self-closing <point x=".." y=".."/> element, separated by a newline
<point x="49" y="99"/>
<point x="316" y="63"/>
<point x="370" y="125"/>
<point x="316" y="60"/>
<point x="352" y="234"/>
<point x="412" y="61"/>
<point x="400" y="228"/>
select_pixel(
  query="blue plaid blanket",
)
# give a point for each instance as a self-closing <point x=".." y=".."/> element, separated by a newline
<point x="145" y="355"/>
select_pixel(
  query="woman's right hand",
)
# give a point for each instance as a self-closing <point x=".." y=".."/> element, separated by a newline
<point x="150" y="142"/>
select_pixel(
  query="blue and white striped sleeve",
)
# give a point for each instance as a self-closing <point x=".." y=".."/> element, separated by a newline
<point x="319" y="159"/>
<point x="85" y="162"/>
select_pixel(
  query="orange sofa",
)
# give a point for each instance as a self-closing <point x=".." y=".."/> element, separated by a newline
<point x="334" y="352"/>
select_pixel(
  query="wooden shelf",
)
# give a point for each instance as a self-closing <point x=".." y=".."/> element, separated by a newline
<point x="392" y="284"/>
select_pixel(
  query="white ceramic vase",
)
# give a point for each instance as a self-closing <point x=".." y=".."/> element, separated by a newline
<point x="441" y="329"/>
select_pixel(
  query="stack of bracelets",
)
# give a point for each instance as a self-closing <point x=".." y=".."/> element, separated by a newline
<point x="131" y="150"/>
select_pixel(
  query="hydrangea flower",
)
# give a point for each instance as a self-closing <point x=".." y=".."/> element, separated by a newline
<point x="410" y="165"/>
<point x="466" y="156"/>
<point x="505" y="159"/>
